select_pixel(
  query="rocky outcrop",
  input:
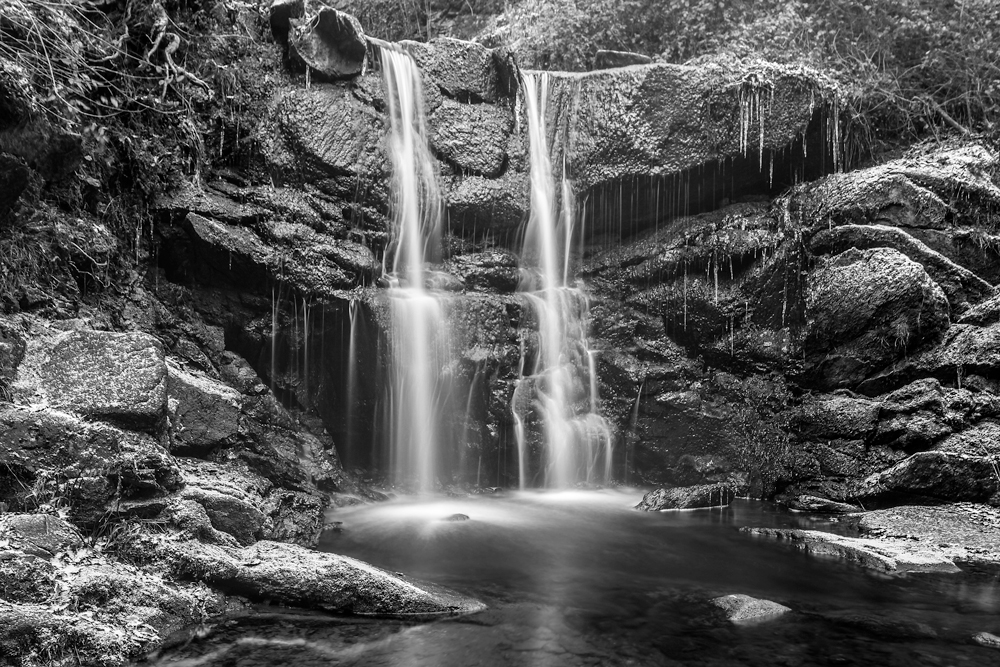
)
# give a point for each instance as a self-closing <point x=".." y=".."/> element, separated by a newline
<point x="689" y="497"/>
<point x="867" y="308"/>
<point x="962" y="287"/>
<point x="662" y="118"/>
<point x="934" y="477"/>
<point x="330" y="42"/>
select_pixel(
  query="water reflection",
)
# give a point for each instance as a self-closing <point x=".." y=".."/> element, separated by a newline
<point x="578" y="578"/>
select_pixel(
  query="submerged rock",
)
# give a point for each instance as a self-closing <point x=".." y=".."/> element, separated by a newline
<point x="687" y="497"/>
<point x="742" y="608"/>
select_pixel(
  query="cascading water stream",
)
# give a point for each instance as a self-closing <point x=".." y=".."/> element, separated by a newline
<point x="573" y="433"/>
<point x="418" y="332"/>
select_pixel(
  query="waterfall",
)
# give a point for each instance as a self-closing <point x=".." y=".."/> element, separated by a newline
<point x="418" y="337"/>
<point x="574" y="434"/>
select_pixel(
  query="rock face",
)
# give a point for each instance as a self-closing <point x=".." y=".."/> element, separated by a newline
<point x="690" y="497"/>
<point x="866" y="308"/>
<point x="330" y="42"/>
<point x="814" y="343"/>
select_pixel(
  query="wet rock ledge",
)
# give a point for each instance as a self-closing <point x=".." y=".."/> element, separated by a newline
<point x="143" y="497"/>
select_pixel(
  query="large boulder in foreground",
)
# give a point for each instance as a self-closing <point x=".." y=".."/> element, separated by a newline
<point x="300" y="577"/>
<point x="687" y="497"/>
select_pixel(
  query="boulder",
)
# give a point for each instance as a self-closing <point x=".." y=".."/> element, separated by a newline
<point x="661" y="118"/>
<point x="330" y="42"/>
<point x="231" y="494"/>
<point x="962" y="287"/>
<point x="606" y="59"/>
<point x="472" y="137"/>
<point x="216" y="253"/>
<point x="980" y="439"/>
<point x="933" y="477"/>
<point x="832" y="417"/>
<point x="478" y="205"/>
<point x="86" y="463"/>
<point x="41" y="535"/>
<point x="687" y="497"/>
<point x="886" y="556"/>
<point x="872" y="196"/>
<point x="866" y="308"/>
<point x="907" y="192"/>
<point x="325" y="132"/>
<point x="291" y="575"/>
<point x="740" y="608"/>
<point x="247" y="505"/>
<point x="204" y="413"/>
<point x="115" y="377"/>
<point x="490" y="271"/>
<point x="464" y="71"/>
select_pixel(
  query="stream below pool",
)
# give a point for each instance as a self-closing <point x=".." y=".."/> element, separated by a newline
<point x="579" y="578"/>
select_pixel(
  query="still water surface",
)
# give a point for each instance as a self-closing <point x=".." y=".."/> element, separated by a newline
<point x="579" y="578"/>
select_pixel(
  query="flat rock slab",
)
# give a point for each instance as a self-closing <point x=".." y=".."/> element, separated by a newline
<point x="743" y="608"/>
<point x="885" y="555"/>
<point x="300" y="577"/>
<point x="115" y="377"/>
<point x="965" y="532"/>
